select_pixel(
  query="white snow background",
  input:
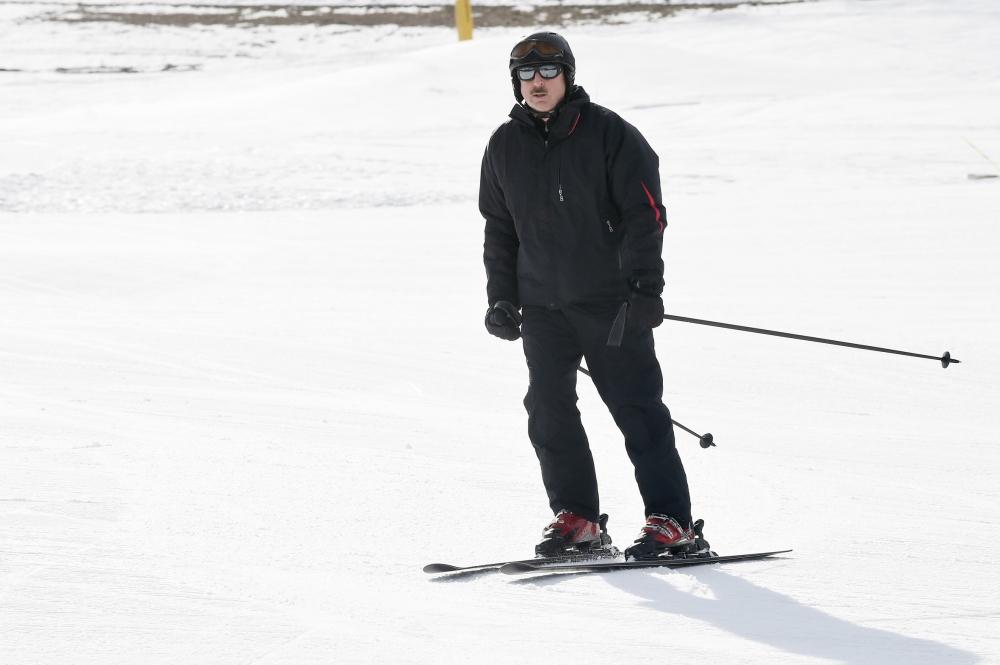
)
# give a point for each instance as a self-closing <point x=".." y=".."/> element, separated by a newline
<point x="246" y="393"/>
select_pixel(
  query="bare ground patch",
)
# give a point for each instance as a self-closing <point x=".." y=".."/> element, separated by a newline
<point x="484" y="16"/>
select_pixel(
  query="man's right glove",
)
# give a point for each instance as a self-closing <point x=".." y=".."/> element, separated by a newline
<point x="503" y="321"/>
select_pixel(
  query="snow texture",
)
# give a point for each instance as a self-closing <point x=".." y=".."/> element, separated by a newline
<point x="245" y="390"/>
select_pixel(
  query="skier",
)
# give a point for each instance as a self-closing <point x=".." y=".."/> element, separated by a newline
<point x="573" y="238"/>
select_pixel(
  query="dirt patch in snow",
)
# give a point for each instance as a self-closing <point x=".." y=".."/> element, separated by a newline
<point x="484" y="16"/>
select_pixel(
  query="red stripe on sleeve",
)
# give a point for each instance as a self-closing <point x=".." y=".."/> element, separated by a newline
<point x="652" y="204"/>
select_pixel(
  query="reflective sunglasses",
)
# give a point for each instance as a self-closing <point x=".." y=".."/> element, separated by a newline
<point x="541" y="48"/>
<point x="527" y="72"/>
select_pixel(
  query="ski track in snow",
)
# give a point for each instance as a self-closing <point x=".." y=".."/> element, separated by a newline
<point x="245" y="393"/>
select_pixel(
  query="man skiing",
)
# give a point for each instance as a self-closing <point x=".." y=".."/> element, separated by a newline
<point x="573" y="238"/>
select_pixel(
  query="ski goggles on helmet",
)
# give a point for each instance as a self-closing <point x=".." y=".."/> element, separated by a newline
<point x="527" y="72"/>
<point x="544" y="49"/>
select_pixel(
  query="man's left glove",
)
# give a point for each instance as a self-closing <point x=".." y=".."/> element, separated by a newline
<point x="503" y="321"/>
<point x="645" y="306"/>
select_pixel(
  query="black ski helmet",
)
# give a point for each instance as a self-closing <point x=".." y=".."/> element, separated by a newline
<point x="542" y="48"/>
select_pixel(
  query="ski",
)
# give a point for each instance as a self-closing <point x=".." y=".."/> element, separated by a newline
<point x="576" y="557"/>
<point x="521" y="567"/>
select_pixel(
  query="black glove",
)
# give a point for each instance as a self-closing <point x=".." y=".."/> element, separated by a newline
<point x="644" y="311"/>
<point x="645" y="306"/>
<point x="503" y="321"/>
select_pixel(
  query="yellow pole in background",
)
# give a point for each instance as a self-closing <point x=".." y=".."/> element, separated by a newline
<point x="463" y="19"/>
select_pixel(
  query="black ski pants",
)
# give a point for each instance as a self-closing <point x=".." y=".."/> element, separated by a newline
<point x="628" y="379"/>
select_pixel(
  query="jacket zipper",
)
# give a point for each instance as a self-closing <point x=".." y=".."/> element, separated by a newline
<point x="545" y="141"/>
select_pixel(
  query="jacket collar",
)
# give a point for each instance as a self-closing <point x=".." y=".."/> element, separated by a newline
<point x="563" y="120"/>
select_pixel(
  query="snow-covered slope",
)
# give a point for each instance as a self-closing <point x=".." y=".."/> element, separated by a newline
<point x="245" y="392"/>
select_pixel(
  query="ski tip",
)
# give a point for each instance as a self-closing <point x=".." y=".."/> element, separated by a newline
<point x="517" y="567"/>
<point x="440" y="568"/>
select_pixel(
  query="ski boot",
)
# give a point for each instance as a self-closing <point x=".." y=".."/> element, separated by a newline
<point x="663" y="537"/>
<point x="570" y="533"/>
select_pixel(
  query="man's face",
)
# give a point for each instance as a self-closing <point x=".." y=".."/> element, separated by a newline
<point x="544" y="94"/>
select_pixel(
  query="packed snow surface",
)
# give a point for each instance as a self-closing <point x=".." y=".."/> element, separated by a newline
<point x="246" y="393"/>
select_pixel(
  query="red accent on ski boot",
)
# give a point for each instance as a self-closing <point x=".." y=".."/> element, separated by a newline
<point x="570" y="532"/>
<point x="662" y="536"/>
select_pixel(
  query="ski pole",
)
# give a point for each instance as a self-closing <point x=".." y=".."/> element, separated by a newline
<point x="945" y="360"/>
<point x="704" y="440"/>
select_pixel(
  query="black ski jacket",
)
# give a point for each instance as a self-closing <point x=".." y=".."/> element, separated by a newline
<point x="573" y="209"/>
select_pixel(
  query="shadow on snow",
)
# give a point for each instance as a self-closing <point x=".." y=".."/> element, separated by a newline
<point x="755" y="613"/>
